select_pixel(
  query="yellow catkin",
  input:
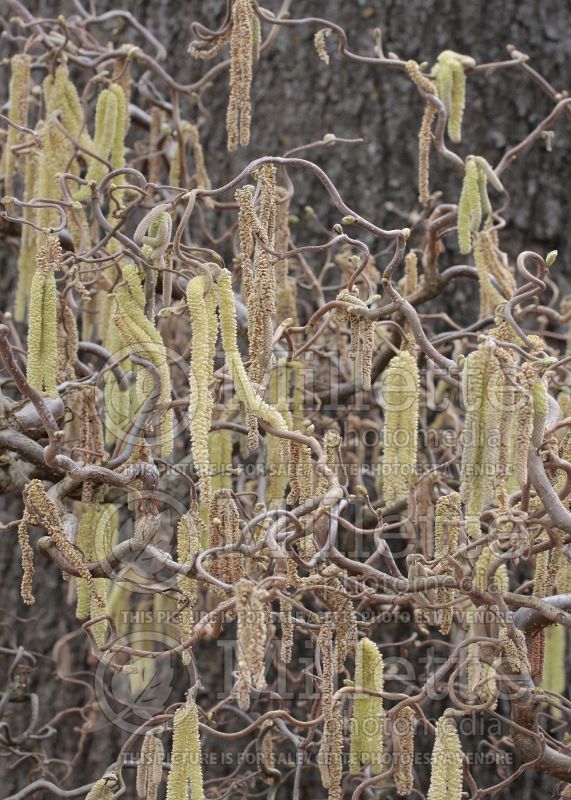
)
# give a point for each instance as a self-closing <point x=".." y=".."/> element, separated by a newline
<point x="451" y="85"/>
<point x="204" y="334"/>
<point x="469" y="207"/>
<point x="554" y="669"/>
<point x="403" y="751"/>
<point x="42" y="324"/>
<point x="401" y="391"/>
<point x="368" y="716"/>
<point x="480" y="382"/>
<point x="150" y="767"/>
<point x="329" y="758"/>
<point x="252" y="618"/>
<point x="446" y="762"/>
<point x="242" y="385"/>
<point x="143" y="339"/>
<point x="186" y="756"/>
<point x="19" y="93"/>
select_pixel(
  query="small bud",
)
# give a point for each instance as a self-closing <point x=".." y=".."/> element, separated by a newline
<point x="348" y="220"/>
<point x="550" y="258"/>
<point x="337" y="228"/>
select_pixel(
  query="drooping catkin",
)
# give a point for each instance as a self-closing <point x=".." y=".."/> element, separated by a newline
<point x="150" y="767"/>
<point x="27" y="254"/>
<point x="515" y="649"/>
<point x="94" y="539"/>
<point x="425" y="133"/>
<point x="108" y="136"/>
<point x="448" y="519"/>
<point x="329" y="758"/>
<point x="403" y="751"/>
<point x="244" y="34"/>
<point x="474" y="204"/>
<point x="27" y="555"/>
<point x="469" y="207"/>
<point x="188" y="546"/>
<point x="42" y="323"/>
<point x="480" y="381"/>
<point x="41" y="510"/>
<point x="451" y="85"/>
<point x="186" y="756"/>
<point x="252" y="618"/>
<point x="554" y="663"/>
<point x="224" y="529"/>
<point x="229" y="333"/>
<point x="401" y="391"/>
<point x="241" y="58"/>
<point x="19" y="94"/>
<point x="490" y="297"/>
<point x="204" y="334"/>
<point x="362" y="333"/>
<point x="258" y="276"/>
<point x="220" y="456"/>
<point x="144" y="340"/>
<point x="368" y="717"/>
<point x="446" y="762"/>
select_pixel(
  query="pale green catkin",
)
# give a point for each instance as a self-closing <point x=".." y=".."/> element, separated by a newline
<point x="145" y="341"/>
<point x="474" y="201"/>
<point x="451" y="86"/>
<point x="19" y="93"/>
<point x="42" y="325"/>
<point x="469" y="207"/>
<point x="480" y="381"/>
<point x="27" y="254"/>
<point x="204" y="334"/>
<point x="220" y="456"/>
<point x="188" y="545"/>
<point x="242" y="385"/>
<point x="368" y="716"/>
<point x="446" y="763"/>
<point x="401" y="391"/>
<point x="186" y="756"/>
<point x="554" y="664"/>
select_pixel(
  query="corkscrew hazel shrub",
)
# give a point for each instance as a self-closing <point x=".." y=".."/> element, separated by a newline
<point x="123" y="281"/>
